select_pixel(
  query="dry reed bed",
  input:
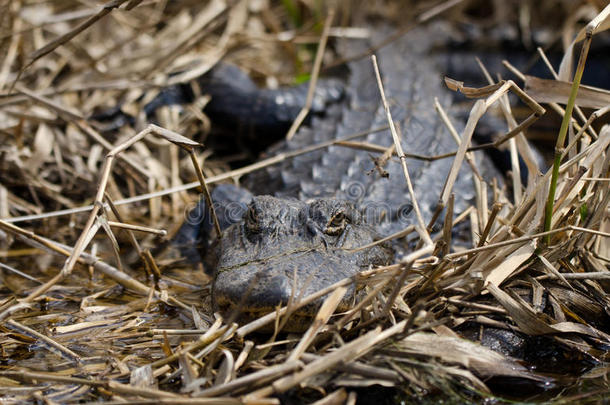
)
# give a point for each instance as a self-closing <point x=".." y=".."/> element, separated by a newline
<point x="139" y="333"/>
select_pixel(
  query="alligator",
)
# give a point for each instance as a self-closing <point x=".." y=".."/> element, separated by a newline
<point x="294" y="228"/>
<point x="295" y="234"/>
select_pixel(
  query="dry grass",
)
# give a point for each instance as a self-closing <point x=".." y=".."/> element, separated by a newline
<point x="89" y="314"/>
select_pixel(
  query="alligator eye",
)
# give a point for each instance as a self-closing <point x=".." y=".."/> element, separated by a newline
<point x="337" y="223"/>
<point x="251" y="220"/>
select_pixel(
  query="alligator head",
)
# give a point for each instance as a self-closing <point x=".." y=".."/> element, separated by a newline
<point x="287" y="248"/>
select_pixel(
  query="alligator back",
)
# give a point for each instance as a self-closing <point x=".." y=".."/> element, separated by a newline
<point x="412" y="80"/>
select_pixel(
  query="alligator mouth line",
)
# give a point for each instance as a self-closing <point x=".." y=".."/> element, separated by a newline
<point x="284" y="255"/>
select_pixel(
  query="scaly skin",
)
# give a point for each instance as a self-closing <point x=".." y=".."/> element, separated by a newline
<point x="289" y="248"/>
<point x="279" y="250"/>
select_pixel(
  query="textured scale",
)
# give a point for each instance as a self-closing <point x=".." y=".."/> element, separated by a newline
<point x="332" y="200"/>
<point x="411" y="81"/>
